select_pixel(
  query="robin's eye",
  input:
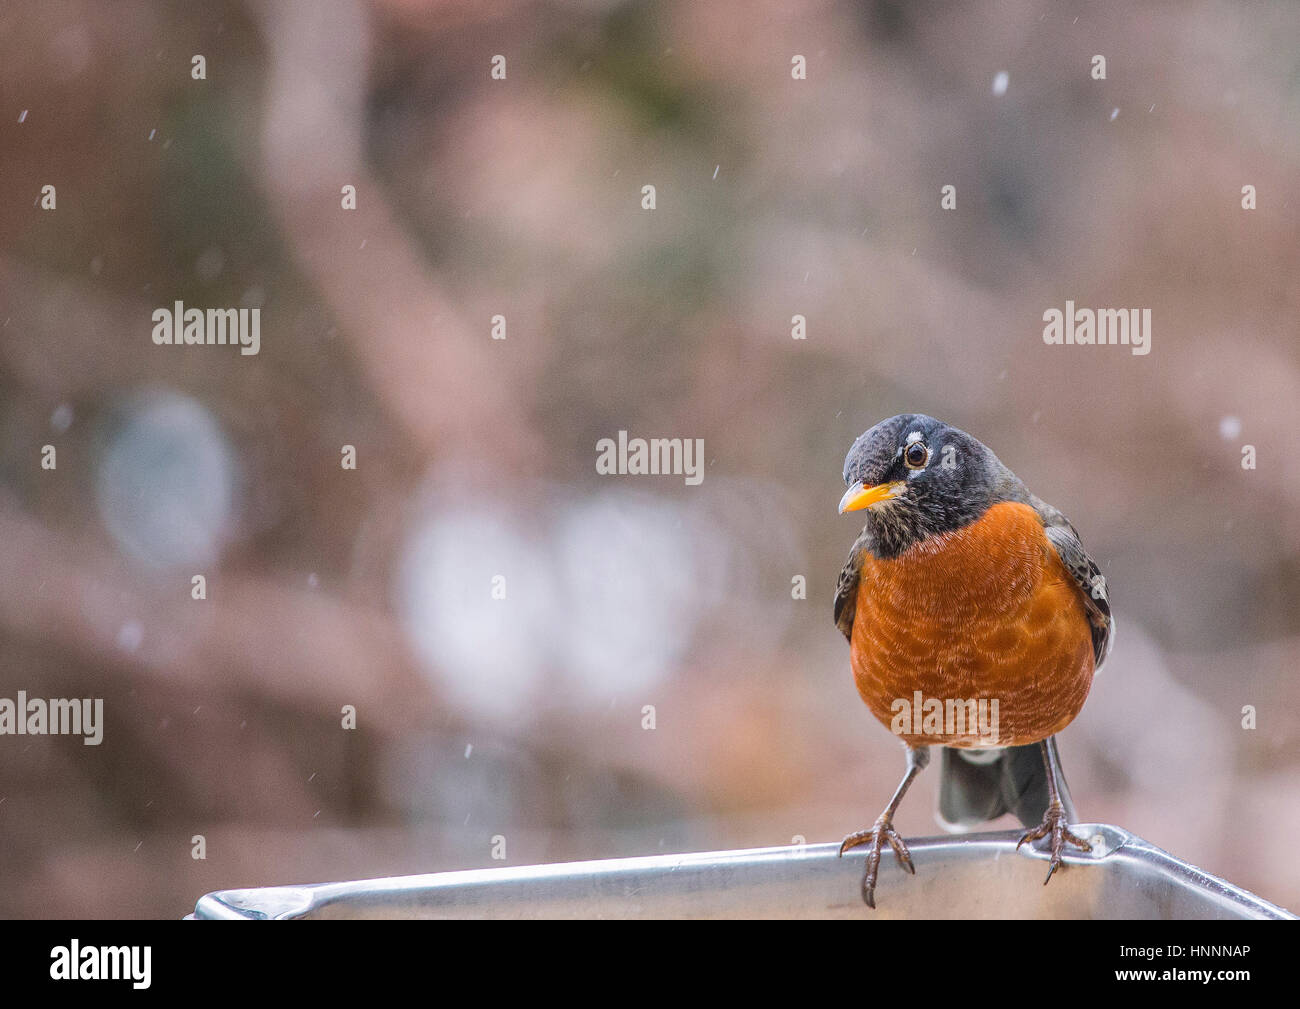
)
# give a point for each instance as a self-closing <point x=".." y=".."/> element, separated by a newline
<point x="916" y="456"/>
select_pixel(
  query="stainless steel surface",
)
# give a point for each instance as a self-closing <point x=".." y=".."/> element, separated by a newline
<point x="972" y="876"/>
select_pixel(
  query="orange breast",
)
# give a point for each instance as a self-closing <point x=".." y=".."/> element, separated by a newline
<point x="986" y="614"/>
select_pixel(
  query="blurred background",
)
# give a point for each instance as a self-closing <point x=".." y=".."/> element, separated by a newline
<point x="523" y="718"/>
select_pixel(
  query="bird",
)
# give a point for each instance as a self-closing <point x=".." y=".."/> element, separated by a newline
<point x="971" y="599"/>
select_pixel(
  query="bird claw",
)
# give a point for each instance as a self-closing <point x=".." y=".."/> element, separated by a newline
<point x="1055" y="825"/>
<point x="881" y="831"/>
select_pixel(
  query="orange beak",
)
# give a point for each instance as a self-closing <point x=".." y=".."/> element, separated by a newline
<point x="858" y="497"/>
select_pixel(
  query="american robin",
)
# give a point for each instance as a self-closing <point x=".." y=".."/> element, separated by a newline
<point x="975" y="620"/>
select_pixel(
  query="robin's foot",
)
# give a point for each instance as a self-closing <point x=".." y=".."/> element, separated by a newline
<point x="1054" y="824"/>
<point x="881" y="831"/>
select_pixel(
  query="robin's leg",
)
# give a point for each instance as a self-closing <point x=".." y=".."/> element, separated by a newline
<point x="1054" y="823"/>
<point x="883" y="829"/>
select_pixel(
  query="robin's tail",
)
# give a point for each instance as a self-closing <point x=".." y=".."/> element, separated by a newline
<point x="976" y="786"/>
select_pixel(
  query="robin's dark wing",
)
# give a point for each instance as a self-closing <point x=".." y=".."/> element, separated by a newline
<point x="846" y="589"/>
<point x="1096" y="596"/>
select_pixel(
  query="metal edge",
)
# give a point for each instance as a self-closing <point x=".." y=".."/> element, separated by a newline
<point x="289" y="902"/>
<point x="1171" y="865"/>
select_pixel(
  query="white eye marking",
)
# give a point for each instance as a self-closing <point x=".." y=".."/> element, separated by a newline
<point x="914" y="436"/>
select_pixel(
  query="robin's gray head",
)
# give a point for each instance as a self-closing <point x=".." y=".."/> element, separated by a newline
<point x="917" y="477"/>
